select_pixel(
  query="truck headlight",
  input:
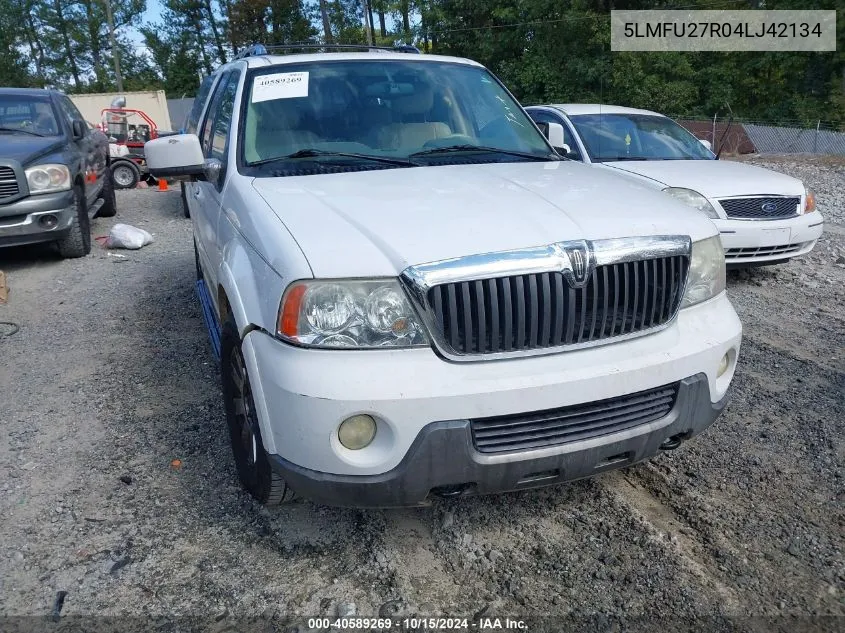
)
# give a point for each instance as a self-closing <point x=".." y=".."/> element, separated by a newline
<point x="47" y="178"/>
<point x="349" y="314"/>
<point x="706" y="273"/>
<point x="693" y="199"/>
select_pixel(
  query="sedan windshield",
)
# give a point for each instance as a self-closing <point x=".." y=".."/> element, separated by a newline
<point x="392" y="110"/>
<point x="24" y="114"/>
<point x="611" y="137"/>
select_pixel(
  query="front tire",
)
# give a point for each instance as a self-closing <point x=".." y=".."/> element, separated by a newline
<point x="251" y="459"/>
<point x="185" y="210"/>
<point x="77" y="243"/>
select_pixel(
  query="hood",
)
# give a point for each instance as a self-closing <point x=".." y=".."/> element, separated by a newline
<point x="379" y="222"/>
<point x="713" y="178"/>
<point x="25" y="148"/>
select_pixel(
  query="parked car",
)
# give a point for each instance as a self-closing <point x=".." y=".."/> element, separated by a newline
<point x="763" y="217"/>
<point x="413" y="295"/>
<point x="54" y="174"/>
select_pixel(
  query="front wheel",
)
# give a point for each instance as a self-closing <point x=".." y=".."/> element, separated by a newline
<point x="251" y="459"/>
<point x="77" y="243"/>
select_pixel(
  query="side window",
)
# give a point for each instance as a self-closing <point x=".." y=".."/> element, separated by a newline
<point x="193" y="120"/>
<point x="546" y="117"/>
<point x="219" y="141"/>
<point x="210" y="111"/>
<point x="69" y="110"/>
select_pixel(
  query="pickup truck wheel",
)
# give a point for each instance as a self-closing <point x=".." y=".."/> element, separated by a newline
<point x="185" y="208"/>
<point x="125" y="174"/>
<point x="251" y="459"/>
<point x="109" y="208"/>
<point x="77" y="243"/>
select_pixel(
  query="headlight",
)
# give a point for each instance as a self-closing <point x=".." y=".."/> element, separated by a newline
<point x="47" y="178"/>
<point x="706" y="273"/>
<point x="693" y="199"/>
<point x="809" y="200"/>
<point x="349" y="315"/>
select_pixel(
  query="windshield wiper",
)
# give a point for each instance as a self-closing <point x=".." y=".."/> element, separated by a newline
<point x="17" y="129"/>
<point x="456" y="149"/>
<point x="315" y="153"/>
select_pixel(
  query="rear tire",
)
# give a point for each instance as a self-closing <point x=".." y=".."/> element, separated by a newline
<point x="252" y="461"/>
<point x="125" y="174"/>
<point x="109" y="208"/>
<point x="77" y="243"/>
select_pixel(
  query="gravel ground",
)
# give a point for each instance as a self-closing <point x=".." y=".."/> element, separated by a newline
<point x="111" y="378"/>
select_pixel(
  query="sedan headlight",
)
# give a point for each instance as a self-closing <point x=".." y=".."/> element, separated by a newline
<point x="47" y="178"/>
<point x="809" y="200"/>
<point x="693" y="199"/>
<point x="349" y="314"/>
<point x="706" y="273"/>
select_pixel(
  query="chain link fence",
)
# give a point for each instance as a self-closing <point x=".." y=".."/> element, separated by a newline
<point x="746" y="137"/>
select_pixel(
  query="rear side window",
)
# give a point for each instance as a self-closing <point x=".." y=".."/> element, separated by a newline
<point x="192" y="122"/>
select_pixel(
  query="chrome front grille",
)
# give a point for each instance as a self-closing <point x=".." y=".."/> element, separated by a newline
<point x="539" y="307"/>
<point x="8" y="183"/>
<point x="762" y="208"/>
<point x="553" y="427"/>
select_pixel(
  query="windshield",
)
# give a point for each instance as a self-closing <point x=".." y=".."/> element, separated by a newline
<point x="610" y="137"/>
<point x="390" y="109"/>
<point x="27" y="114"/>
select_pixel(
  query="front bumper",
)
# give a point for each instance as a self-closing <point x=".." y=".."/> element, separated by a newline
<point x="754" y="242"/>
<point x="302" y="395"/>
<point x="20" y="220"/>
<point x="442" y="460"/>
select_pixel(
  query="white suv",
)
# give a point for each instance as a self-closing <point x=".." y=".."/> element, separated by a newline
<point x="413" y="295"/>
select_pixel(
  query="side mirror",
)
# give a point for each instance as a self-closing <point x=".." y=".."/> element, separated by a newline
<point x="176" y="157"/>
<point x="553" y="132"/>
<point x="706" y="144"/>
<point x="78" y="128"/>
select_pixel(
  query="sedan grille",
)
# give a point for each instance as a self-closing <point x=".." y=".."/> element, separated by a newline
<point x="554" y="427"/>
<point x="761" y="208"/>
<point x="763" y="251"/>
<point x="8" y="183"/>
<point x="541" y="310"/>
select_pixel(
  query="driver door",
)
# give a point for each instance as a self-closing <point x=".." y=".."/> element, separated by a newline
<point x="208" y="194"/>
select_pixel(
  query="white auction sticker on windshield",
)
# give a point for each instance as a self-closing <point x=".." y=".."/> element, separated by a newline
<point x="279" y="86"/>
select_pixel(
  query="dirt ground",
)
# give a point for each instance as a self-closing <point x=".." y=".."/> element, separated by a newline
<point x="111" y="377"/>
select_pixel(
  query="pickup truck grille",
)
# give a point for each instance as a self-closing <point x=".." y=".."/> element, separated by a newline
<point x="772" y="208"/>
<point x="542" y="310"/>
<point x="8" y="183"/>
<point x="553" y="427"/>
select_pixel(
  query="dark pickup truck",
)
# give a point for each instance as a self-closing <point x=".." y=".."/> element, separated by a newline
<point x="54" y="172"/>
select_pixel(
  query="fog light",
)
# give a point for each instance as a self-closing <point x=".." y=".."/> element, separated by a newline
<point x="723" y="365"/>
<point x="357" y="432"/>
<point x="48" y="221"/>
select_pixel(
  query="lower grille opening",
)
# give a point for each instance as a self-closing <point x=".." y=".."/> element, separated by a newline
<point x="533" y="478"/>
<point x="554" y="427"/>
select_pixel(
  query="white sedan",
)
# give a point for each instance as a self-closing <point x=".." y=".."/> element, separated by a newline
<point x="764" y="217"/>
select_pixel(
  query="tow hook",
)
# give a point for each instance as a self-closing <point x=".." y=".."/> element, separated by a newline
<point x="671" y="443"/>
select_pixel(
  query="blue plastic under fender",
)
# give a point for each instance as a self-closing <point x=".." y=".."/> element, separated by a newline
<point x="210" y="317"/>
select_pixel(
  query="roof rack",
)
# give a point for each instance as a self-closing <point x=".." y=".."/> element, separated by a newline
<point x="260" y="49"/>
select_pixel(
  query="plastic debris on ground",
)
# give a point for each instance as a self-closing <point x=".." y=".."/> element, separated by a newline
<point x="127" y="236"/>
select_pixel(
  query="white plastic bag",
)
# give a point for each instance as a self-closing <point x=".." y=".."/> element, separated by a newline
<point x="126" y="236"/>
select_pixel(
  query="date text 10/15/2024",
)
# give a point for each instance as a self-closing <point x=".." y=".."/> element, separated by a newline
<point x="416" y="624"/>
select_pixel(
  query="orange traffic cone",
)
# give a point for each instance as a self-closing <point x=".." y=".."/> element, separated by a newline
<point x="162" y="184"/>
